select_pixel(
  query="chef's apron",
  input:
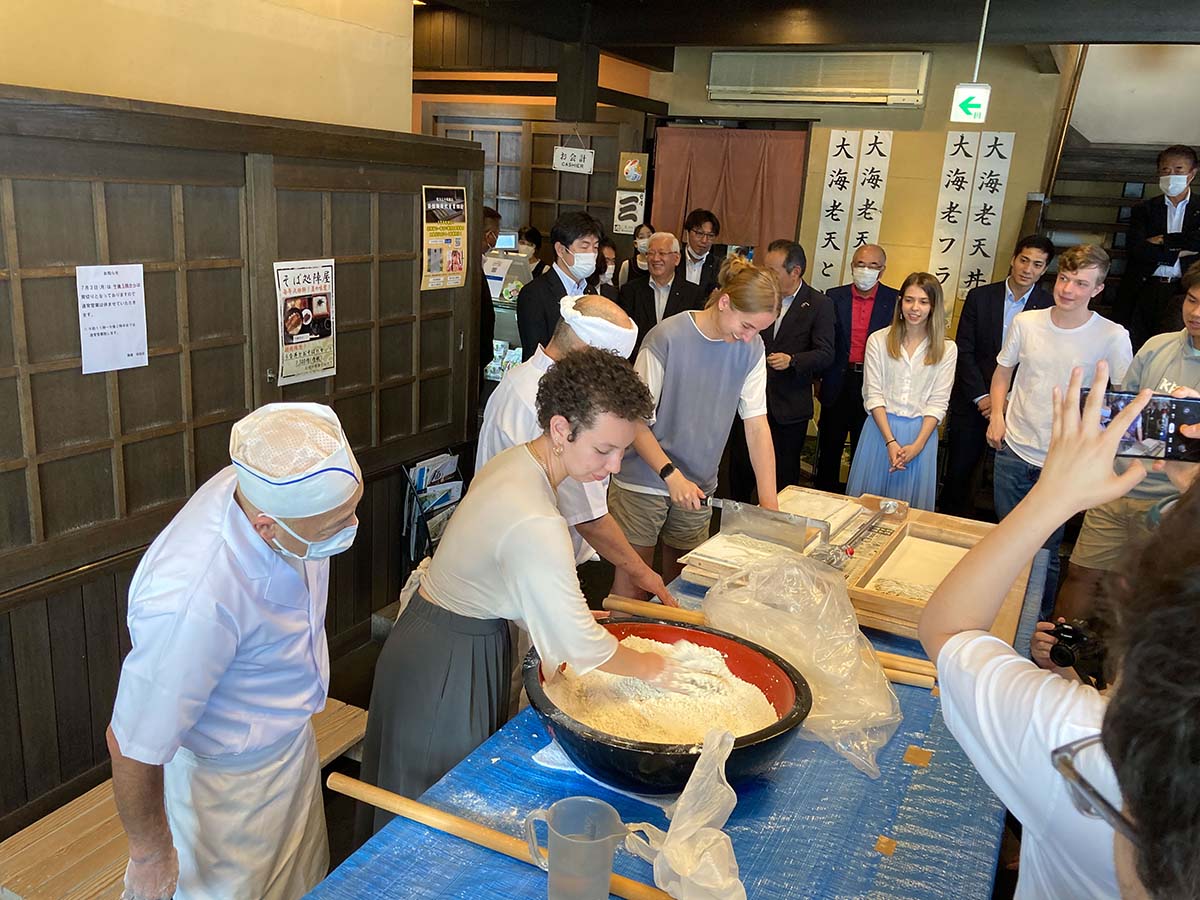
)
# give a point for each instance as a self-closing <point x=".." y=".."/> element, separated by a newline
<point x="251" y="826"/>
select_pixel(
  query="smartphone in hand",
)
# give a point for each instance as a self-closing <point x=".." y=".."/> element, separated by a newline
<point x="1155" y="433"/>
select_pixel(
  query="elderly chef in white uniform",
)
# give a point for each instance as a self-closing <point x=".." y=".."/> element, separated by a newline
<point x="510" y="418"/>
<point x="214" y="762"/>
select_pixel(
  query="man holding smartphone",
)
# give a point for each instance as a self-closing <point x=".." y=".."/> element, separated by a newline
<point x="1165" y="363"/>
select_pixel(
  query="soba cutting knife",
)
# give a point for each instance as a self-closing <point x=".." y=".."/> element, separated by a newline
<point x="788" y="529"/>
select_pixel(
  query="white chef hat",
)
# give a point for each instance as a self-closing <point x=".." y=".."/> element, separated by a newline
<point x="293" y="460"/>
<point x="597" y="331"/>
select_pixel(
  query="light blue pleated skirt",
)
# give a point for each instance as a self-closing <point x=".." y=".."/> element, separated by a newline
<point x="916" y="484"/>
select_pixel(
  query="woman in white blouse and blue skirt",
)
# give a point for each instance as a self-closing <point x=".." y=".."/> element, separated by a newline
<point x="908" y="371"/>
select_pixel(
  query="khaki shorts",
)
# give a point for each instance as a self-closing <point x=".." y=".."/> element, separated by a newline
<point x="647" y="517"/>
<point x="1108" y="531"/>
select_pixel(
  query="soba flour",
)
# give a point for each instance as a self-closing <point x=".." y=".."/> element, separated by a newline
<point x="631" y="708"/>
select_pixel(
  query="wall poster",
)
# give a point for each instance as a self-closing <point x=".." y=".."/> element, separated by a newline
<point x="112" y="317"/>
<point x="837" y="192"/>
<point x="953" y="211"/>
<point x="307" y="334"/>
<point x="444" y="238"/>
<point x="870" y="186"/>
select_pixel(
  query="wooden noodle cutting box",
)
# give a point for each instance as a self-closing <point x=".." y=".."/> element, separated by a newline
<point x="926" y="547"/>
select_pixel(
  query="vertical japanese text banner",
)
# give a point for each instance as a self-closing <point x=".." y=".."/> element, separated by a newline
<point x="953" y="207"/>
<point x="836" y="196"/>
<point x="870" y="185"/>
<point x="987" y="208"/>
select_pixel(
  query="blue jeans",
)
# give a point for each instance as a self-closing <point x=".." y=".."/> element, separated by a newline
<point x="1012" y="479"/>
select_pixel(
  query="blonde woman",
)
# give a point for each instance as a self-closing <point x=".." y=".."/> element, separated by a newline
<point x="908" y="372"/>
<point x="703" y="367"/>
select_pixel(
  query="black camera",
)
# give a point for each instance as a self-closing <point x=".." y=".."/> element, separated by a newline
<point x="1079" y="648"/>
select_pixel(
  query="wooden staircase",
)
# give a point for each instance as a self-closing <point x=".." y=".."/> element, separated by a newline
<point x="1092" y="192"/>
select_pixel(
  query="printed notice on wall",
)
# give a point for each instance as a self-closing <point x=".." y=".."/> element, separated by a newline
<point x="980" y="245"/>
<point x="307" y="334"/>
<point x="955" y="181"/>
<point x="112" y="317"/>
<point x="444" y="242"/>
<point x="870" y="186"/>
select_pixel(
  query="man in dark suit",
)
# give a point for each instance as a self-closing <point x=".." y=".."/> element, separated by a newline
<point x="699" y="264"/>
<point x="650" y="300"/>
<point x="982" y="327"/>
<point x="1163" y="238"/>
<point x="576" y="241"/>
<point x="799" y="346"/>
<point x="860" y="308"/>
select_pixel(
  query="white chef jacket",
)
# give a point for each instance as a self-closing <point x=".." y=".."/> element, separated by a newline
<point x="510" y="418"/>
<point x="907" y="386"/>
<point x="229" y="653"/>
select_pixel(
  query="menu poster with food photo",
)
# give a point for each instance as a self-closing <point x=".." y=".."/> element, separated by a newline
<point x="444" y="241"/>
<point x="307" y="336"/>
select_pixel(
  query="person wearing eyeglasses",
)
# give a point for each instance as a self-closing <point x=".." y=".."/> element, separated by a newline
<point x="699" y="264"/>
<point x="1068" y="762"/>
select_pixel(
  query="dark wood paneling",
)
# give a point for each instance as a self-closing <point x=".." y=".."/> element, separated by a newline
<point x="72" y="701"/>
<point x="449" y="39"/>
<point x="103" y="639"/>
<point x="34" y="679"/>
<point x="12" y="754"/>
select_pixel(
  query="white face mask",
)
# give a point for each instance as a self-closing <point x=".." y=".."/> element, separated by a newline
<point x="319" y="549"/>
<point x="1173" y="185"/>
<point x="606" y="278"/>
<point x="528" y="249"/>
<point x="864" y="277"/>
<point x="643" y="244"/>
<point x="585" y="265"/>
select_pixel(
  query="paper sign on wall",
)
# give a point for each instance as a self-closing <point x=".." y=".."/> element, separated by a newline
<point x="953" y="209"/>
<point x="112" y="317"/>
<point x="307" y="332"/>
<point x="628" y="211"/>
<point x="631" y="172"/>
<point x="444" y="238"/>
<point x="573" y="159"/>
<point x="870" y="186"/>
<point x="987" y="207"/>
<point x="836" y="196"/>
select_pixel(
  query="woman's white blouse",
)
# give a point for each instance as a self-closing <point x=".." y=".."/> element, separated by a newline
<point x="907" y="386"/>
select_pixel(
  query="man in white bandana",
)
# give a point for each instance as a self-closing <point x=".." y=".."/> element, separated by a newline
<point x="511" y="418"/>
<point x="214" y="762"/>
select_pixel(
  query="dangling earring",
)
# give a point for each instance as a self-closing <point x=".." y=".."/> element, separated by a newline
<point x="558" y="449"/>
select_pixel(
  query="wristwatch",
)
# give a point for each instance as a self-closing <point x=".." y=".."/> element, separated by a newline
<point x="666" y="471"/>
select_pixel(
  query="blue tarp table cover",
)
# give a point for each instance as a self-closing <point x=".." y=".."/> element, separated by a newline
<point x="806" y="830"/>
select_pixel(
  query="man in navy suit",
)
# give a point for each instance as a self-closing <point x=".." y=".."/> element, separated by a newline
<point x="650" y="300"/>
<point x="799" y="348"/>
<point x="982" y="327"/>
<point x="576" y="239"/>
<point x="1163" y="238"/>
<point x="860" y="308"/>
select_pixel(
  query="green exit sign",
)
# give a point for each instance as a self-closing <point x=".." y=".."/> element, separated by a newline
<point x="970" y="103"/>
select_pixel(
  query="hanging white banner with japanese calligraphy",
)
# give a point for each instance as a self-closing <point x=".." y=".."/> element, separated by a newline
<point x="836" y="197"/>
<point x="870" y="184"/>
<point x="987" y="207"/>
<point x="953" y="207"/>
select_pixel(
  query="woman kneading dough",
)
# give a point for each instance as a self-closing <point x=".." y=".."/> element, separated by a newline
<point x="442" y="680"/>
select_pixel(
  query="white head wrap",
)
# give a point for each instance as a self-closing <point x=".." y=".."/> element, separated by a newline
<point x="293" y="460"/>
<point x="596" y="331"/>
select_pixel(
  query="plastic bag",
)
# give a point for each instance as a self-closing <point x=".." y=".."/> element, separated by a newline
<point x="800" y="609"/>
<point x="693" y="859"/>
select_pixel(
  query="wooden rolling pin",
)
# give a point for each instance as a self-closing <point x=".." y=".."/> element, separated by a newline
<point x="898" y="668"/>
<point x="470" y="831"/>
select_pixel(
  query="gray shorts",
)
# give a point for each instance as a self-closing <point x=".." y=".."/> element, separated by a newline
<point x="645" y="518"/>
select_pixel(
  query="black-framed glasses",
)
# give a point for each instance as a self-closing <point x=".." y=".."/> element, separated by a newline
<point x="705" y="235"/>
<point x="1084" y="795"/>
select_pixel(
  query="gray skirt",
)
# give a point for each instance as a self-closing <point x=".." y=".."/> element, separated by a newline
<point x="441" y="689"/>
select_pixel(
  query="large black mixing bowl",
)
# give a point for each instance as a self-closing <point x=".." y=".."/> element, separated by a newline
<point x="650" y="768"/>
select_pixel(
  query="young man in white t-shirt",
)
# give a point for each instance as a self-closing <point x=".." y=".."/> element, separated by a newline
<point x="1047" y="344"/>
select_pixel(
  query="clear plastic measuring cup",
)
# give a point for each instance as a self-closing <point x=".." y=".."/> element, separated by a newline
<point x="583" y="833"/>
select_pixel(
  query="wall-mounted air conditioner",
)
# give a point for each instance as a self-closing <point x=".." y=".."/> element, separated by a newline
<point x="882" y="78"/>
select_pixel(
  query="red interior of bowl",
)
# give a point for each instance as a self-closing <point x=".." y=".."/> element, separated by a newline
<point x="743" y="661"/>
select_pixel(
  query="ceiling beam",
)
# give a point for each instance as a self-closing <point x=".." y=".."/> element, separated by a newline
<point x="1043" y="58"/>
<point x="777" y="23"/>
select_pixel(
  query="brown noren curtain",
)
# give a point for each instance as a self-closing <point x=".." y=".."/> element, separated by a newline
<point x="752" y="180"/>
